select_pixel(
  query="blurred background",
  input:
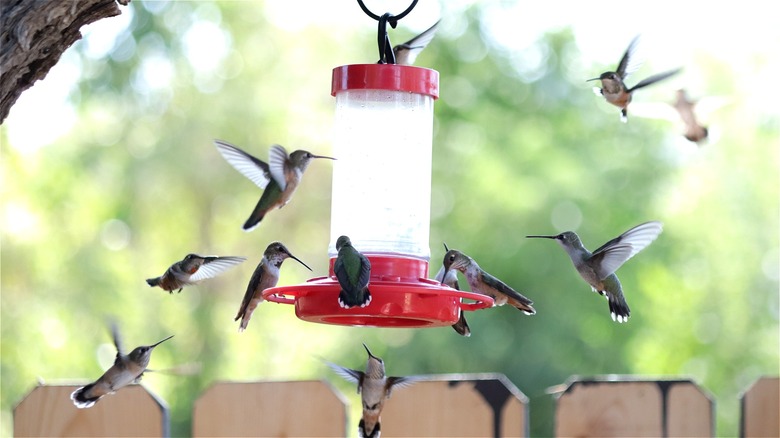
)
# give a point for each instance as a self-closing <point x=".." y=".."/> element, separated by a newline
<point x="109" y="175"/>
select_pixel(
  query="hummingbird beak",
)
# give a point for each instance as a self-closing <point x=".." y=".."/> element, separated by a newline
<point x="160" y="342"/>
<point x="593" y="79"/>
<point x="541" y="237"/>
<point x="369" y="352"/>
<point x="445" y="247"/>
<point x="322" y="156"/>
<point x="299" y="261"/>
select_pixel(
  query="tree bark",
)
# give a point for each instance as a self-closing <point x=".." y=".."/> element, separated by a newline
<point x="35" y="33"/>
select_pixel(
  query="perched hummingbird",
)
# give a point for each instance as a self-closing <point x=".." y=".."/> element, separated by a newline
<point x="266" y="275"/>
<point x="406" y="53"/>
<point x="279" y="177"/>
<point x="598" y="268"/>
<point x="192" y="269"/>
<point x="451" y="280"/>
<point x="375" y="389"/>
<point x="484" y="283"/>
<point x="694" y="131"/>
<point x="127" y="369"/>
<point x="353" y="271"/>
<point x="612" y="82"/>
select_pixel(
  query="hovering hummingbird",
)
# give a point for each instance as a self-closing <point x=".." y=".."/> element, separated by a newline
<point x="127" y="369"/>
<point x="598" y="268"/>
<point x="266" y="275"/>
<point x="375" y="389"/>
<point x="279" y="177"/>
<point x="484" y="283"/>
<point x="694" y="131"/>
<point x="407" y="52"/>
<point x="451" y="280"/>
<point x="353" y="271"/>
<point x="613" y="86"/>
<point x="192" y="269"/>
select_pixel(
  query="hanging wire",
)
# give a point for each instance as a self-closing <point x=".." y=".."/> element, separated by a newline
<point x="386" y="55"/>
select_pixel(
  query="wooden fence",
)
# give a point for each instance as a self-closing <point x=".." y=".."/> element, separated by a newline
<point x="442" y="405"/>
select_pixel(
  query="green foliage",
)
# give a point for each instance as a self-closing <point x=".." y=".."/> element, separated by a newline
<point x="136" y="184"/>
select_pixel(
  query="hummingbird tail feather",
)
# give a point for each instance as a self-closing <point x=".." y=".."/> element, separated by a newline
<point x="462" y="327"/>
<point x="525" y="306"/>
<point x="81" y="400"/>
<point x="364" y="434"/>
<point x="153" y="281"/>
<point x="347" y="300"/>
<point x="618" y="308"/>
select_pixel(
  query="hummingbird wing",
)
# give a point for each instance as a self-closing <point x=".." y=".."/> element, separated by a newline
<point x="516" y="299"/>
<point x="399" y="382"/>
<point x="251" y="290"/>
<point x="631" y="60"/>
<point x="407" y="52"/>
<point x="253" y="168"/>
<point x="653" y="79"/>
<point x="348" y="374"/>
<point x="278" y="160"/>
<point x="117" y="338"/>
<point x="610" y="256"/>
<point x="213" y="267"/>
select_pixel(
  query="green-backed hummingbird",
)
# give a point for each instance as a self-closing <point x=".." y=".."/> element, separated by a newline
<point x="278" y="178"/>
<point x="598" y="268"/>
<point x="613" y="87"/>
<point x="484" y="283"/>
<point x="127" y="369"/>
<point x="353" y="271"/>
<point x="374" y="388"/>
<point x="451" y="280"/>
<point x="192" y="269"/>
<point x="266" y="275"/>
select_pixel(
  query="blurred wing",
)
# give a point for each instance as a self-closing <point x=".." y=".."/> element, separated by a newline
<point x="406" y="53"/>
<point x="254" y="169"/>
<point x="348" y="374"/>
<point x="654" y="78"/>
<point x="212" y="268"/>
<point x="277" y="160"/>
<point x="116" y="337"/>
<point x="631" y="60"/>
<point x="400" y="382"/>
<point x="617" y="251"/>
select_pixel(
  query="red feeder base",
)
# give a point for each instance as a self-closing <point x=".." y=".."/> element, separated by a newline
<point x="401" y="296"/>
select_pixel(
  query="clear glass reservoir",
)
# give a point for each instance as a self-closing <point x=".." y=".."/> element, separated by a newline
<point x="382" y="143"/>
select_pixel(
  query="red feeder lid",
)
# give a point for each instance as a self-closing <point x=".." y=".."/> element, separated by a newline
<point x="401" y="296"/>
<point x="392" y="77"/>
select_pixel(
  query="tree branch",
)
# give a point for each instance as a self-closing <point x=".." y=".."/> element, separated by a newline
<point x="33" y="36"/>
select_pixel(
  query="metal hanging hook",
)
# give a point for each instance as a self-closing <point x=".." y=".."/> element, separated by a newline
<point x="386" y="55"/>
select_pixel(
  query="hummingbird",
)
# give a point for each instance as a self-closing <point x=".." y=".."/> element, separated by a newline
<point x="374" y="388"/>
<point x="192" y="269"/>
<point x="694" y="131"/>
<point x="613" y="86"/>
<point x="266" y="275"/>
<point x="598" y="268"/>
<point x="484" y="283"/>
<point x="278" y="178"/>
<point x="451" y="280"/>
<point x="353" y="271"/>
<point x="407" y="52"/>
<point x="127" y="369"/>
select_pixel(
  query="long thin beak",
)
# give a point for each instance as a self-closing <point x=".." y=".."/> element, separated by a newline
<point x="369" y="351"/>
<point x="445" y="247"/>
<point x="541" y="237"/>
<point x="444" y="276"/>
<point x="154" y="345"/>
<point x="299" y="261"/>
<point x="322" y="156"/>
<point x="594" y="79"/>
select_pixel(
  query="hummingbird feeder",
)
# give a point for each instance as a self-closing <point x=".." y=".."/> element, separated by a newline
<point x="381" y="198"/>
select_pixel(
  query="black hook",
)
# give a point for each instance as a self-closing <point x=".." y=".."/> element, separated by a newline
<point x="386" y="55"/>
